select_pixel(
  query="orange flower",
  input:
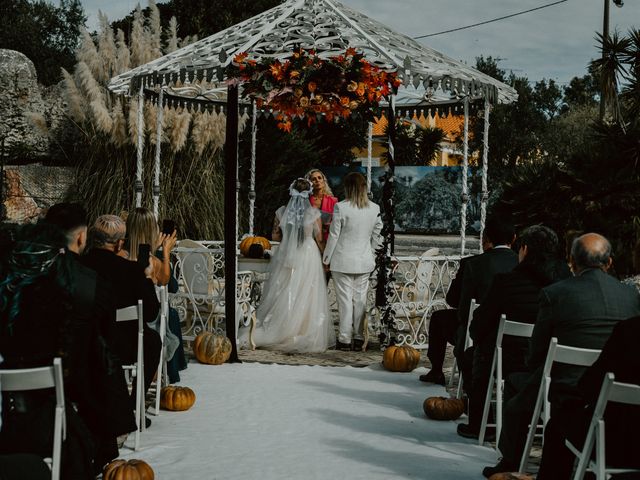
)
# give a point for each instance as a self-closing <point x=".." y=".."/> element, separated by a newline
<point x="304" y="102"/>
<point x="312" y="86"/>
<point x="360" y="89"/>
<point x="276" y="70"/>
<point x="350" y="51"/>
<point x="352" y="86"/>
<point x="345" y="113"/>
<point x="240" y="57"/>
<point x="344" y="101"/>
<point x="317" y="99"/>
<point x="353" y="105"/>
<point x="294" y="74"/>
<point x="285" y="126"/>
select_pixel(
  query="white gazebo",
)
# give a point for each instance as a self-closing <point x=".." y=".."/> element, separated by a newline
<point x="191" y="77"/>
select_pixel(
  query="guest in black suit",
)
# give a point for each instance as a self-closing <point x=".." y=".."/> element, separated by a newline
<point x="580" y="311"/>
<point x="129" y="283"/>
<point x="479" y="272"/>
<point x="443" y="326"/>
<point x="620" y="357"/>
<point x="514" y="294"/>
<point x="103" y="402"/>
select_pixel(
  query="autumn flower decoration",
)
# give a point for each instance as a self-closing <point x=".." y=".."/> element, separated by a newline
<point x="311" y="88"/>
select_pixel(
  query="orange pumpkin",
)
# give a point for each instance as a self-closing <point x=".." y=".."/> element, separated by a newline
<point x="177" y="399"/>
<point x="212" y="349"/>
<point x="128" y="470"/>
<point x="400" y="358"/>
<point x="441" y="408"/>
<point x="511" y="476"/>
<point x="246" y="250"/>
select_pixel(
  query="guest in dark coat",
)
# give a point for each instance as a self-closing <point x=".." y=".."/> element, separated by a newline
<point x="620" y="357"/>
<point x="443" y="326"/>
<point x="514" y="294"/>
<point x="580" y="311"/>
<point x="104" y="401"/>
<point x="129" y="283"/>
<point x="37" y="324"/>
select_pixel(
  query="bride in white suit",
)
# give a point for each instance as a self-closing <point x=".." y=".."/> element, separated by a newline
<point x="353" y="237"/>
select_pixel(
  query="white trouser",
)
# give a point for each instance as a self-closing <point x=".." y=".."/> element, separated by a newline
<point x="351" y="295"/>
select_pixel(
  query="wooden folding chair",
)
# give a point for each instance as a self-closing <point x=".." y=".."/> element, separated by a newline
<point x="128" y="314"/>
<point x="583" y="357"/>
<point x="468" y="342"/>
<point x="611" y="391"/>
<point x="25" y="379"/>
<point x="496" y="377"/>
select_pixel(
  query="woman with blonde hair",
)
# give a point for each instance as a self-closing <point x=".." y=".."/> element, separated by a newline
<point x="142" y="227"/>
<point x="353" y="237"/>
<point x="322" y="198"/>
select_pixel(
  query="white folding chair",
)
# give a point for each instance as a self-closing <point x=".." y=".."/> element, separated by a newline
<point x="611" y="391"/>
<point x="127" y="314"/>
<point x="467" y="343"/>
<point x="583" y="357"/>
<point x="161" y="377"/>
<point x="25" y="379"/>
<point x="496" y="378"/>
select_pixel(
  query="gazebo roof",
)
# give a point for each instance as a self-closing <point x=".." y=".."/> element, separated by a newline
<point x="330" y="28"/>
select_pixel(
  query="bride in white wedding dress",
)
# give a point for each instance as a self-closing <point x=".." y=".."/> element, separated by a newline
<point x="293" y="315"/>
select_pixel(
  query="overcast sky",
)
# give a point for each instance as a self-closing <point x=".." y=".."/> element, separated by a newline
<point x="555" y="42"/>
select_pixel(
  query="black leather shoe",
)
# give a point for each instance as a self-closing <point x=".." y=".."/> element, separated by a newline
<point x="501" y="467"/>
<point x="358" y="344"/>
<point x="433" y="377"/>
<point x="345" y="347"/>
<point x="466" y="431"/>
<point x="147" y="422"/>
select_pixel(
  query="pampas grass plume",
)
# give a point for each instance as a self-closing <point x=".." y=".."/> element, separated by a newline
<point x="180" y="130"/>
<point x="89" y="84"/>
<point x="103" y="120"/>
<point x="106" y="48"/>
<point x="73" y="97"/>
<point x="172" y="36"/>
<point x="119" y="129"/>
<point x="133" y="121"/>
<point x="123" y="57"/>
<point x="38" y="121"/>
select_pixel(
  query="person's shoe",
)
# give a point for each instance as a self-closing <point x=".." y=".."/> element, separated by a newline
<point x="358" y="344"/>
<point x="433" y="377"/>
<point x="466" y="431"/>
<point x="502" y="467"/>
<point x="345" y="347"/>
<point x="147" y="422"/>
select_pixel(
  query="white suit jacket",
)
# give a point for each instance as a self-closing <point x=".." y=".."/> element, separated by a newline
<point x="353" y="237"/>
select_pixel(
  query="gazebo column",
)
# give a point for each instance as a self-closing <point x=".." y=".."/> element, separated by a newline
<point x="465" y="171"/>
<point x="384" y="288"/>
<point x="252" y="168"/>
<point x="139" y="163"/>
<point x="485" y="170"/>
<point x="156" y="173"/>
<point x="230" y="224"/>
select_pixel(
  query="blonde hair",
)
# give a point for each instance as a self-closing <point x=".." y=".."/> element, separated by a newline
<point x="355" y="189"/>
<point x="327" y="189"/>
<point x="142" y="227"/>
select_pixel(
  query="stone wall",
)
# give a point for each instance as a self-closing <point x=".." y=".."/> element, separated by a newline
<point x="29" y="189"/>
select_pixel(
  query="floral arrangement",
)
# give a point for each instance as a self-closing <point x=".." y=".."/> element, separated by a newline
<point x="306" y="86"/>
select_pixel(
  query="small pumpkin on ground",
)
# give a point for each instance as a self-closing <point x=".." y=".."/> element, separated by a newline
<point x="400" y="358"/>
<point x="128" y="470"/>
<point x="212" y="349"/>
<point x="441" y="408"/>
<point x="511" y="476"/>
<point x="176" y="399"/>
<point x="247" y="251"/>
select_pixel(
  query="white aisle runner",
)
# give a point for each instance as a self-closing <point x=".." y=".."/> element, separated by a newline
<point x="255" y="421"/>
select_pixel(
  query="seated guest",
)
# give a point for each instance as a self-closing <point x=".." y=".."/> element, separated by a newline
<point x="479" y="272"/>
<point x="620" y="357"/>
<point x="104" y="402"/>
<point x="129" y="282"/>
<point x="580" y="311"/>
<point x="142" y="227"/>
<point x="37" y="324"/>
<point x="514" y="294"/>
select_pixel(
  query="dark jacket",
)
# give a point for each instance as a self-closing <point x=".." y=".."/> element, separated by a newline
<point x="128" y="284"/>
<point x="514" y="294"/>
<point x="478" y="276"/>
<point x="455" y="289"/>
<point x="580" y="311"/>
<point x="620" y="357"/>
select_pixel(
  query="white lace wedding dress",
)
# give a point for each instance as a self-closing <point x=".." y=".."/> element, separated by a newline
<point x="293" y="314"/>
